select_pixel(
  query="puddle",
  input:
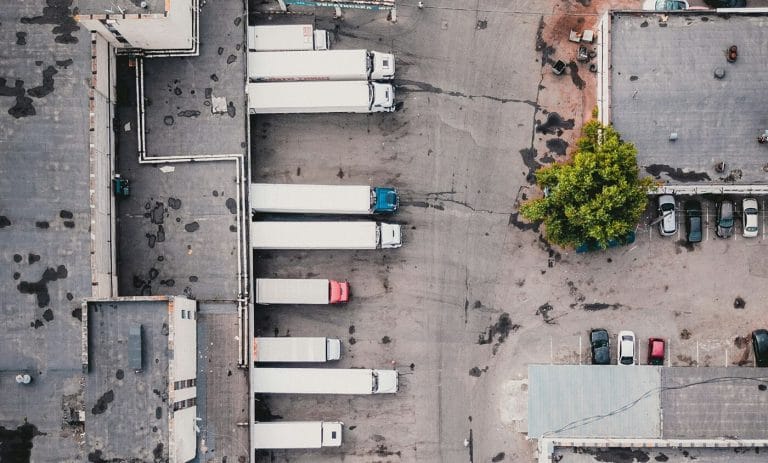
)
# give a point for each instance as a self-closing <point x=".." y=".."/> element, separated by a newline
<point x="676" y="173"/>
<point x="554" y="124"/>
<point x="103" y="402"/>
<point x="47" y="86"/>
<point x="40" y="288"/>
<point x="58" y="13"/>
<point x="17" y="443"/>
<point x="557" y="146"/>
<point x="231" y="205"/>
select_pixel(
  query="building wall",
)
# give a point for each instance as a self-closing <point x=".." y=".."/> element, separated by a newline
<point x="182" y="379"/>
<point x="101" y="153"/>
<point x="172" y="31"/>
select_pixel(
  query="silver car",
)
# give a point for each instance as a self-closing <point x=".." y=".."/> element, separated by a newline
<point x="749" y="219"/>
<point x="668" y="221"/>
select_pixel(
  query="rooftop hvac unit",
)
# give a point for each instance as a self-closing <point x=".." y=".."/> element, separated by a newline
<point x="135" y="347"/>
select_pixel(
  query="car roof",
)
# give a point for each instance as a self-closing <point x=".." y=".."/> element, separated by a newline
<point x="657" y="347"/>
<point x="666" y="199"/>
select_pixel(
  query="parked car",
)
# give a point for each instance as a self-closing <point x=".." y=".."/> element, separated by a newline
<point x="693" y="221"/>
<point x="601" y="351"/>
<point x="655" y="351"/>
<point x="665" y="5"/>
<point x="668" y="223"/>
<point x="592" y="245"/>
<point x="626" y="348"/>
<point x="749" y="218"/>
<point x="725" y="218"/>
<point x="726" y="3"/>
<point x="760" y="347"/>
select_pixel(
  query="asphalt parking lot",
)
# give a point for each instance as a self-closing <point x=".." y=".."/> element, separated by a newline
<point x="475" y="294"/>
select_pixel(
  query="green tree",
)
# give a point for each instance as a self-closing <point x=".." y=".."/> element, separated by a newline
<point x="597" y="196"/>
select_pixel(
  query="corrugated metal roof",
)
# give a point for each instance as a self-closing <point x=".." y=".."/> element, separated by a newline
<point x="594" y="401"/>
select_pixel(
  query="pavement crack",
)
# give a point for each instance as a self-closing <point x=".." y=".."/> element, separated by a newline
<point x="472" y="208"/>
<point x="403" y="86"/>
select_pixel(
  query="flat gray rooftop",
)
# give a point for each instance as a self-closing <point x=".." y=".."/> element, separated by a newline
<point x="593" y="401"/>
<point x="663" y="82"/>
<point x="44" y="219"/>
<point x="715" y="403"/>
<point x="127" y="412"/>
<point x="180" y="92"/>
<point x="118" y="7"/>
<point x="177" y="232"/>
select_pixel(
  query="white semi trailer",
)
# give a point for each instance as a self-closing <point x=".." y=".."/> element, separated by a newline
<point x="320" y="97"/>
<point x="322" y="199"/>
<point x="323" y="381"/>
<point x="325" y="235"/>
<point x="301" y="291"/>
<point x="296" y="434"/>
<point x="293" y="37"/>
<point x="288" y="349"/>
<point x="278" y="66"/>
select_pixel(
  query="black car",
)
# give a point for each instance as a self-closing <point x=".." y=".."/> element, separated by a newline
<point x="726" y="3"/>
<point x="601" y="351"/>
<point x="725" y="218"/>
<point x="760" y="346"/>
<point x="693" y="221"/>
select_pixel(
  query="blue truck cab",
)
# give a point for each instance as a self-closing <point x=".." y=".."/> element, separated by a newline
<point x="386" y="200"/>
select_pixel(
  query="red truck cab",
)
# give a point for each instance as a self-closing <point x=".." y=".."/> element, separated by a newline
<point x="339" y="292"/>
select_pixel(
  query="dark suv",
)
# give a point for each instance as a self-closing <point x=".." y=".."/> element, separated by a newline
<point x="693" y="221"/>
<point x="601" y="351"/>
<point x="760" y="347"/>
<point x="725" y="218"/>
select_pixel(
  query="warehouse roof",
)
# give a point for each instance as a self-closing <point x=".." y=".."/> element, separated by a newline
<point x="127" y="412"/>
<point x="663" y="82"/>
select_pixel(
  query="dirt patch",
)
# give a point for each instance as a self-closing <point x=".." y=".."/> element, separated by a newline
<point x="685" y="334"/>
<point x="739" y="303"/>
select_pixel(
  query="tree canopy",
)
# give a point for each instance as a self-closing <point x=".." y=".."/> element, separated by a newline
<point x="595" y="197"/>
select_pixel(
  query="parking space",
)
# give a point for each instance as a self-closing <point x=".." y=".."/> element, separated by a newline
<point x="649" y="226"/>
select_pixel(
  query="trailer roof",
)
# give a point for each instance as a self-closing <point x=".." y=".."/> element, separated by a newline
<point x="307" y="65"/>
<point x="288" y="435"/>
<point x="313" y="235"/>
<point x="284" y="96"/>
<point x="312" y="381"/>
<point x="292" y="291"/>
<point x="308" y="198"/>
<point x="285" y="349"/>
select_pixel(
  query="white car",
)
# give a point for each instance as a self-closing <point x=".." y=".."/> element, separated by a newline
<point x="626" y="348"/>
<point x="668" y="221"/>
<point x="749" y="219"/>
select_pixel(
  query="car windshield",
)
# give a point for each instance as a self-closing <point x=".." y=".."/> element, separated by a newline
<point x="626" y="361"/>
<point x="667" y="207"/>
<point x="669" y="5"/>
<point x="726" y="221"/>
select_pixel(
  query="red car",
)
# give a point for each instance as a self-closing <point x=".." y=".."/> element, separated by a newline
<point x="655" y="351"/>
